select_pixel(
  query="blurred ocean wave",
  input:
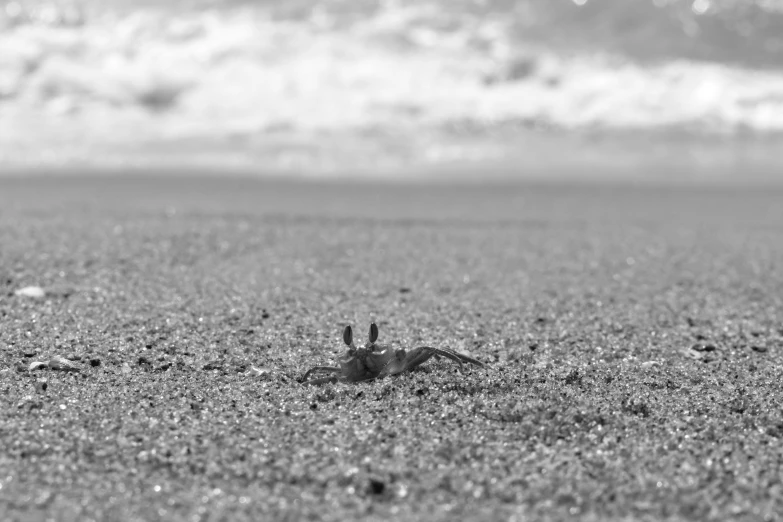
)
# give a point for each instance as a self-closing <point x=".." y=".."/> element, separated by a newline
<point x="334" y="84"/>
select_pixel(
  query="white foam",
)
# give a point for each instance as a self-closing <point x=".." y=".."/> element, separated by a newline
<point x="68" y="91"/>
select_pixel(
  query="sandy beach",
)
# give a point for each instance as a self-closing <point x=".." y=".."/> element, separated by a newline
<point x="632" y="337"/>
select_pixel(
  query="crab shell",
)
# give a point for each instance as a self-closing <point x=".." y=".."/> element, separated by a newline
<point x="360" y="364"/>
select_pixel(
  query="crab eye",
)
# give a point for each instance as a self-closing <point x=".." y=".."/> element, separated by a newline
<point x="348" y="335"/>
<point x="373" y="333"/>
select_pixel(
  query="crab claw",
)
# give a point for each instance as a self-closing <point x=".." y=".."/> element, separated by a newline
<point x="373" y="333"/>
<point x="326" y="369"/>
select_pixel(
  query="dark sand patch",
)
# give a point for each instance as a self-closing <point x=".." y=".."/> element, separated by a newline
<point x="592" y="306"/>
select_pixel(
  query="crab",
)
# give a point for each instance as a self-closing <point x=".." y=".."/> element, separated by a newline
<point x="374" y="361"/>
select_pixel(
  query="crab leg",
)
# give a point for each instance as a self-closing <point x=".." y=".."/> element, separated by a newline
<point x="323" y="380"/>
<point x="407" y="361"/>
<point x="331" y="369"/>
<point x="448" y="352"/>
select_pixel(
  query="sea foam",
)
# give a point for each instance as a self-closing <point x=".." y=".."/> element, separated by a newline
<point x="404" y="84"/>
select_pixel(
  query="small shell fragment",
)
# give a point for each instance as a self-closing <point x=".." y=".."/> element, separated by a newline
<point x="55" y="363"/>
<point x="63" y="364"/>
<point x="31" y="291"/>
<point x="37" y="365"/>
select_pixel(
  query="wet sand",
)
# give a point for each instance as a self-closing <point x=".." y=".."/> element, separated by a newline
<point x="633" y="338"/>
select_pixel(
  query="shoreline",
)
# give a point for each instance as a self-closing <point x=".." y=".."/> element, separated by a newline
<point x="464" y="200"/>
<point x="506" y="157"/>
